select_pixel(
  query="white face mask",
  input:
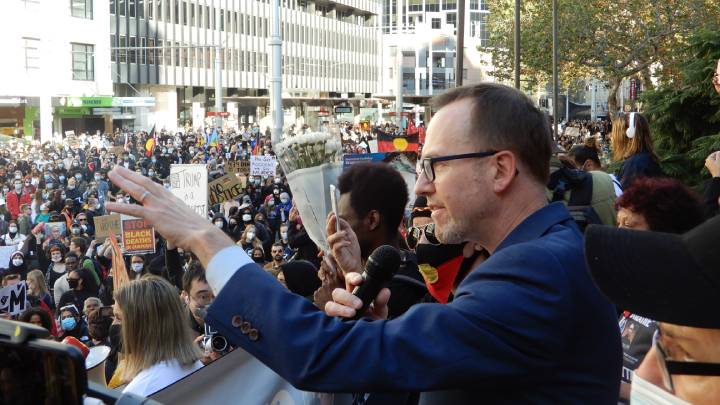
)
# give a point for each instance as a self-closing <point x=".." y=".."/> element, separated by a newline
<point x="219" y="224"/>
<point x="56" y="258"/>
<point x="643" y="392"/>
<point x="12" y="229"/>
<point x="246" y="217"/>
<point x="136" y="267"/>
<point x="17" y="262"/>
<point x="283" y="235"/>
<point x="250" y="236"/>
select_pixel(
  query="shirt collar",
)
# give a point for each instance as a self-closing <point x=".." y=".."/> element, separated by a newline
<point x="537" y="224"/>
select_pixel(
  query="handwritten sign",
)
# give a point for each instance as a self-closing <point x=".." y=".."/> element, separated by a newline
<point x="190" y="184"/>
<point x="225" y="188"/>
<point x="5" y="254"/>
<point x="238" y="167"/>
<point x="262" y="165"/>
<point x="116" y="150"/>
<point x="138" y="236"/>
<point x="106" y="224"/>
<point x="13" y="299"/>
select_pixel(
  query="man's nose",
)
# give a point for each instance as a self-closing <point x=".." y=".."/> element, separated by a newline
<point x="423" y="186"/>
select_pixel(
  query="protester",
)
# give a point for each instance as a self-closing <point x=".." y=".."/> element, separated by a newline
<point x="666" y="277"/>
<point x="277" y="253"/>
<point x="37" y="288"/>
<point x="72" y="324"/>
<point x="633" y="145"/>
<point x="197" y="296"/>
<point x="156" y="340"/>
<point x="37" y="317"/>
<point x="82" y="287"/>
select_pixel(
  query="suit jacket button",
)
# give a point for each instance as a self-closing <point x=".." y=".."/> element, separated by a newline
<point x="236" y="321"/>
<point x="245" y="328"/>
<point x="253" y="335"/>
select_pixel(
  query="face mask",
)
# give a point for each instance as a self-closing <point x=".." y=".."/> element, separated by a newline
<point x="18" y="187"/>
<point x="250" y="236"/>
<point x="78" y="176"/>
<point x="284" y="200"/>
<point x="68" y="324"/>
<point x="219" y="224"/>
<point x="61" y="165"/>
<point x="271" y="203"/>
<point x="50" y="185"/>
<point x="283" y="235"/>
<point x="62" y="178"/>
<point x="73" y="284"/>
<point x="35" y="181"/>
<point x="151" y="174"/>
<point x="258" y="259"/>
<point x="12" y="229"/>
<point x="83" y="228"/>
<point x="277" y="181"/>
<point x="276" y="191"/>
<point x="56" y="258"/>
<point x="18" y="177"/>
<point x="136" y="267"/>
<point x="246" y="217"/>
<point x="643" y="392"/>
<point x="75" y="165"/>
<point x="439" y="266"/>
<point x="17" y="262"/>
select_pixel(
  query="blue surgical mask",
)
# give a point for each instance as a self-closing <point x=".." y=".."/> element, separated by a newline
<point x="68" y="324"/>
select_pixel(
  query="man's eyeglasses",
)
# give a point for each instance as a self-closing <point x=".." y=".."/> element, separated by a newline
<point x="414" y="234"/>
<point x="669" y="367"/>
<point x="427" y="166"/>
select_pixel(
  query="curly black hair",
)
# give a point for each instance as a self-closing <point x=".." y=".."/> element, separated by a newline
<point x="376" y="186"/>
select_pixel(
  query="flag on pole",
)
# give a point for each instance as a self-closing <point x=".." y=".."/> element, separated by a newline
<point x="213" y="138"/>
<point x="399" y="143"/>
<point x="119" y="271"/>
<point x="150" y="144"/>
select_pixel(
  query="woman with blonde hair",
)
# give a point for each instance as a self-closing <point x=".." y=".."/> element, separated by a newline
<point x="249" y="239"/>
<point x="37" y="288"/>
<point x="156" y="343"/>
<point x="632" y="144"/>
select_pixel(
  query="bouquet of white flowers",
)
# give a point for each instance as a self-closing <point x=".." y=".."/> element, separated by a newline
<point x="312" y="161"/>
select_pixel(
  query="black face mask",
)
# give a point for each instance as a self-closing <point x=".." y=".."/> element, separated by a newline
<point x="435" y="255"/>
<point x="259" y="259"/>
<point x="73" y="284"/>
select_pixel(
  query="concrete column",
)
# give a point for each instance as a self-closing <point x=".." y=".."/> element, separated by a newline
<point x="46" y="118"/>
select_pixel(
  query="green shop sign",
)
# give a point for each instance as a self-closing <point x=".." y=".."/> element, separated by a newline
<point x="67" y="112"/>
<point x="89" y="101"/>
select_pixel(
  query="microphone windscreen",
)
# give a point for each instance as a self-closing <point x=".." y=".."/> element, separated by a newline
<point x="383" y="262"/>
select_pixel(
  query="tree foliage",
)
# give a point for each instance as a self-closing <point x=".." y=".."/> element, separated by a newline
<point x="685" y="113"/>
<point x="610" y="40"/>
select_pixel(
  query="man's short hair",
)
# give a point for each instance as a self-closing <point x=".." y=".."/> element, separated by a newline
<point x="376" y="186"/>
<point x="80" y="243"/>
<point x="505" y="119"/>
<point x="195" y="272"/>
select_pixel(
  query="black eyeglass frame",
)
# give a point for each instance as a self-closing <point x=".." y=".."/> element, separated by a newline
<point x="429" y="163"/>
<point x="674" y="367"/>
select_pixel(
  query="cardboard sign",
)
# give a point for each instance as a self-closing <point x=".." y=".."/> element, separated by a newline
<point x="190" y="184"/>
<point x="5" y="254"/>
<point x="226" y="188"/>
<point x="238" y="167"/>
<point x="138" y="236"/>
<point x="13" y="299"/>
<point x="262" y="165"/>
<point x="106" y="224"/>
<point x="116" y="150"/>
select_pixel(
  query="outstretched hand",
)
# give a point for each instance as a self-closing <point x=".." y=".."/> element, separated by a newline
<point x="169" y="215"/>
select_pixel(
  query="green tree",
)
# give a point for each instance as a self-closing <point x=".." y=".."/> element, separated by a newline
<point x="611" y="40"/>
<point x="685" y="113"/>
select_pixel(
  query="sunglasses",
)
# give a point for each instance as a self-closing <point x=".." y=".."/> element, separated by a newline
<point x="414" y="234"/>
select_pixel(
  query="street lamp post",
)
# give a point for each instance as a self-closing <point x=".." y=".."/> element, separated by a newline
<point x="276" y="76"/>
<point x="556" y="87"/>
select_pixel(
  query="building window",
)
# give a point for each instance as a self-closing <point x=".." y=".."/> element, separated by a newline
<point x="432" y="5"/>
<point x="436" y="22"/>
<point x="131" y="8"/>
<point x="150" y="9"/>
<point x="82" y="8"/>
<point x="143" y="52"/>
<point x="133" y="52"/>
<point x="122" y="53"/>
<point x="465" y="74"/>
<point x="112" y="6"/>
<point x="151" y="52"/>
<point x="31" y="46"/>
<point x="141" y="8"/>
<point x="449" y="5"/>
<point x="451" y="18"/>
<point x="83" y="62"/>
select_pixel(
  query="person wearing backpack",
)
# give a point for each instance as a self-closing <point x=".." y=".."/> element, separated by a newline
<point x="589" y="196"/>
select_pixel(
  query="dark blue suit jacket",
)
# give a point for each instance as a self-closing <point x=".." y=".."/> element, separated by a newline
<point x="528" y="325"/>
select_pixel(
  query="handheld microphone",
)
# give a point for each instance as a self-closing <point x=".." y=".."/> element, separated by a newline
<point x="380" y="268"/>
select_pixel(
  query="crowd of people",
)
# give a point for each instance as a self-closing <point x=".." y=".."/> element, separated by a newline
<point x="494" y="242"/>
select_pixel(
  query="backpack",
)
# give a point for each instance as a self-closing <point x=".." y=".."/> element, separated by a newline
<point x="580" y="185"/>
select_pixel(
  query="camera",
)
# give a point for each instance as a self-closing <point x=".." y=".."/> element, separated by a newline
<point x="213" y="342"/>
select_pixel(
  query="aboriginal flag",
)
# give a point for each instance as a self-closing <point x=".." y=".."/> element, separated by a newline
<point x="399" y="143"/>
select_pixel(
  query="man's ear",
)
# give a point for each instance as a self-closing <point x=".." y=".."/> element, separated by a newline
<point x="505" y="166"/>
<point x="372" y="220"/>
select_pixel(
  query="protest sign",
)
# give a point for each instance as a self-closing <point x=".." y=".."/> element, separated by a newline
<point x="5" y="253"/>
<point x="106" y="224"/>
<point x="116" y="150"/>
<point x="13" y="299"/>
<point x="262" y="165"/>
<point x="55" y="230"/>
<point x="138" y="236"/>
<point x="225" y="188"/>
<point x="190" y="184"/>
<point x="238" y="167"/>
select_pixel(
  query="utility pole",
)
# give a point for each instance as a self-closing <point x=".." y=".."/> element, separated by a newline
<point x="517" y="44"/>
<point x="276" y="75"/>
<point x="556" y="87"/>
<point x="218" y="89"/>
<point x="398" y="61"/>
<point x="460" y="41"/>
